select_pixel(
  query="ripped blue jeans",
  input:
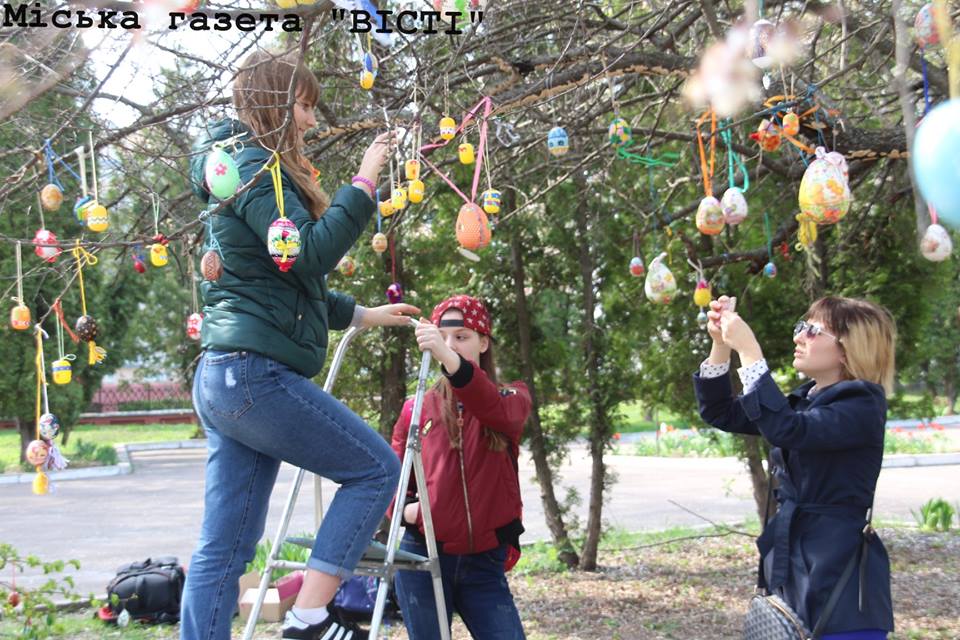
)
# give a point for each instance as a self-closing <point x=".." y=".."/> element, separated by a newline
<point x="256" y="412"/>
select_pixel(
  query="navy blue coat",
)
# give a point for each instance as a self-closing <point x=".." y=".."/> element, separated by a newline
<point x="827" y="452"/>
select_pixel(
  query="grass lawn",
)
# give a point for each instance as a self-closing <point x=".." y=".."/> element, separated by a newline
<point x="105" y="435"/>
<point x="674" y="584"/>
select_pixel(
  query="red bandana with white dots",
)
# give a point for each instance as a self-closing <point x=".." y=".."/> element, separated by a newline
<point x="475" y="314"/>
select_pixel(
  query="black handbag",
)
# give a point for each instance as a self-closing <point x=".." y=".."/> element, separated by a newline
<point x="148" y="591"/>
<point x="770" y="618"/>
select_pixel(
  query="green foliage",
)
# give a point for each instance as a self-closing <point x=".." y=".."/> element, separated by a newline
<point x="288" y="551"/>
<point x="31" y="610"/>
<point x="935" y="515"/>
<point x="92" y="452"/>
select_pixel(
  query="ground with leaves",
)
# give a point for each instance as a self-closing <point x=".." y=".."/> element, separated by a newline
<point x="690" y="588"/>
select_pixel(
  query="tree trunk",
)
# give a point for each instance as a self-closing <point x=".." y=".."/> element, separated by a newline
<point x="536" y="440"/>
<point x="27" y="430"/>
<point x="393" y="385"/>
<point x="753" y="447"/>
<point x="599" y="431"/>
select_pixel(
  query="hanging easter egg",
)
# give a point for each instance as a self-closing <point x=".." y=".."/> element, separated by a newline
<point x="936" y="245"/>
<point x="347" y="267"/>
<point x="398" y="198"/>
<point x="558" y="143"/>
<point x="824" y="194"/>
<point x="283" y="243"/>
<point x="465" y="152"/>
<point x="221" y="174"/>
<point x="366" y="80"/>
<point x="710" y="216"/>
<point x="415" y="191"/>
<point x="41" y="485"/>
<point x="758" y="41"/>
<point x="211" y="266"/>
<point x="86" y="328"/>
<point x="386" y="208"/>
<point x="791" y="123"/>
<point x="46" y="245"/>
<point x="395" y="293"/>
<point x="51" y="197"/>
<point x="702" y="319"/>
<point x="770" y="270"/>
<point x="934" y="161"/>
<point x="660" y="285"/>
<point x="411" y="169"/>
<point x="925" y="27"/>
<point x="80" y="207"/>
<point x="98" y="219"/>
<point x="734" y="206"/>
<point x="62" y="371"/>
<point x="767" y="136"/>
<point x="473" y="230"/>
<point x="49" y="426"/>
<point x="370" y="63"/>
<point x="379" y="242"/>
<point x="491" y="201"/>
<point x="702" y="294"/>
<point x="158" y="254"/>
<point x="20" y="317"/>
<point x="37" y="452"/>
<point x="138" y="264"/>
<point x="194" y="325"/>
<point x="636" y="266"/>
<point x="620" y="134"/>
<point x="448" y="128"/>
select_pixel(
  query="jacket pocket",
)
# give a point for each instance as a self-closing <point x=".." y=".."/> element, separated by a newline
<point x="224" y="387"/>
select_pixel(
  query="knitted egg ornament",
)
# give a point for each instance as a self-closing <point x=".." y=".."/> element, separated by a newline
<point x="395" y="293"/>
<point x="283" y="243"/>
<point x="491" y="201"/>
<point x="46" y="245"/>
<point x="211" y="266"/>
<point x="194" y="325"/>
<point x="473" y="230"/>
<point x="619" y="133"/>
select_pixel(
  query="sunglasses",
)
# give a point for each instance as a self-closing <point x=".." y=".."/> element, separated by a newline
<point x="812" y="330"/>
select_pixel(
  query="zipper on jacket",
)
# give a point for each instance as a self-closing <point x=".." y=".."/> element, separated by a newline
<point x="463" y="477"/>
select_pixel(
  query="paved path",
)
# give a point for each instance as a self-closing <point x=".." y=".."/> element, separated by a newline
<point x="104" y="522"/>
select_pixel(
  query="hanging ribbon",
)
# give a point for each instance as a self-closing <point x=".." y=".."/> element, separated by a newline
<point x="706" y="172"/>
<point x="806" y="232"/>
<point x="667" y="159"/>
<point x="93" y="166"/>
<point x="487" y="104"/>
<point x="40" y="484"/>
<point x="95" y="354"/>
<point x="19" y="262"/>
<point x="52" y="157"/>
<point x="926" y="81"/>
<point x="769" y="235"/>
<point x="393" y="259"/>
<point x="58" y="309"/>
<point x="734" y="161"/>
<point x="951" y="45"/>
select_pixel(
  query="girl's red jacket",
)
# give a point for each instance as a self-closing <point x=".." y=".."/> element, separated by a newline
<point x="474" y="494"/>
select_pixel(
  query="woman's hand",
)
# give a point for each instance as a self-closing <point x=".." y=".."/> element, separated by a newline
<point x="430" y="339"/>
<point x="738" y="335"/>
<point x="410" y="512"/>
<point x="376" y="156"/>
<point x="388" y="315"/>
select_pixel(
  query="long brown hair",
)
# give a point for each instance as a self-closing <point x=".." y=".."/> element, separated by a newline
<point x="260" y="96"/>
<point x="448" y="403"/>
<point x="867" y="334"/>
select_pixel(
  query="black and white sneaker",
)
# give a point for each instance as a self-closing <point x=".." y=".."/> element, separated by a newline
<point x="332" y="628"/>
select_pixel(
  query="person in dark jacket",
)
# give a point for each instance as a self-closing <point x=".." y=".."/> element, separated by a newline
<point x="264" y="337"/>
<point x="471" y="428"/>
<point x="827" y="449"/>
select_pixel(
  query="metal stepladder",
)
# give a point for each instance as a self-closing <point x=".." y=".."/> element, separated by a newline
<point x="378" y="560"/>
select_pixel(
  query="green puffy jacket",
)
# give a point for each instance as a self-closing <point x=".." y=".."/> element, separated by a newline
<point x="254" y="306"/>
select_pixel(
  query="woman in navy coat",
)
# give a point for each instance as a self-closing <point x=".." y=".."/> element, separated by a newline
<point x="826" y="442"/>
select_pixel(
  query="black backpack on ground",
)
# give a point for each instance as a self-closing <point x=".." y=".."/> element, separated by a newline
<point x="149" y="591"/>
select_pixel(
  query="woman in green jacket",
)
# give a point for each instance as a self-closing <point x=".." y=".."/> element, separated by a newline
<point x="264" y="337"/>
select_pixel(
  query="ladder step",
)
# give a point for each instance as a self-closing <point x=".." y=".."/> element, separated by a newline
<point x="376" y="552"/>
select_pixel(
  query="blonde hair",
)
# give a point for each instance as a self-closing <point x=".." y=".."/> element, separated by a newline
<point x="867" y="334"/>
<point x="260" y="94"/>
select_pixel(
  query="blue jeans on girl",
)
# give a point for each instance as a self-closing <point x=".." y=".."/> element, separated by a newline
<point x="257" y="412"/>
<point x="474" y="585"/>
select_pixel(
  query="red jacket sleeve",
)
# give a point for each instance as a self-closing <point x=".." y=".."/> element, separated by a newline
<point x="502" y="409"/>
<point x="401" y="429"/>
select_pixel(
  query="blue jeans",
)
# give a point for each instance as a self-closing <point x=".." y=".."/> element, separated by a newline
<point x="257" y="412"/>
<point x="474" y="585"/>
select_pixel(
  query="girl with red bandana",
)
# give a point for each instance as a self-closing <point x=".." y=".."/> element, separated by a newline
<point x="471" y="428"/>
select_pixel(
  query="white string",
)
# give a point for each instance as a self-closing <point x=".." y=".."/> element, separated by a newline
<point x="93" y="164"/>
